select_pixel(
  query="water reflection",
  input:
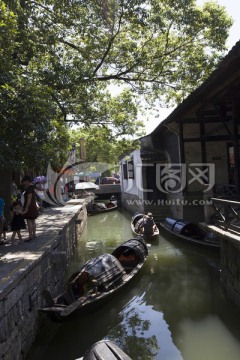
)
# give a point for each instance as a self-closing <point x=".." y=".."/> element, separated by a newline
<point x="134" y="331"/>
<point x="174" y="309"/>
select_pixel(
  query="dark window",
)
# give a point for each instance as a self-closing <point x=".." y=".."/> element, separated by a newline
<point x="125" y="173"/>
<point x="130" y="170"/>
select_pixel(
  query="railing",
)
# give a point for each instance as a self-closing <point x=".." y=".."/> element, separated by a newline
<point x="224" y="190"/>
<point x="227" y="214"/>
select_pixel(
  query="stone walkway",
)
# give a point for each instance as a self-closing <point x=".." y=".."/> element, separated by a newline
<point x="15" y="259"/>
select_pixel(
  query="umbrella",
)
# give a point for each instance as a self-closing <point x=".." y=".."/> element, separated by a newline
<point x="86" y="185"/>
<point x="40" y="179"/>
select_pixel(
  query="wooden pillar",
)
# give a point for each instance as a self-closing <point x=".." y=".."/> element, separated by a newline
<point x="181" y="143"/>
<point x="236" y="147"/>
<point x="203" y="145"/>
<point x="182" y="149"/>
<point x="202" y="140"/>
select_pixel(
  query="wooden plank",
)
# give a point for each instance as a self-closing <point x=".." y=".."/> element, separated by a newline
<point x="209" y="138"/>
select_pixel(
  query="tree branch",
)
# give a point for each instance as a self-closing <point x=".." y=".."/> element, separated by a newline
<point x="60" y="107"/>
<point x="113" y="37"/>
<point x="70" y="44"/>
<point x="37" y="4"/>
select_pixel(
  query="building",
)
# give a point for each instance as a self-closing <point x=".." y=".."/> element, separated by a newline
<point x="193" y="155"/>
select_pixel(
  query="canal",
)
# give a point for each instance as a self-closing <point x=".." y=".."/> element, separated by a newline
<point x="174" y="309"/>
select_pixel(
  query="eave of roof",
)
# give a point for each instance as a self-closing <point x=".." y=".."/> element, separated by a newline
<point x="217" y="75"/>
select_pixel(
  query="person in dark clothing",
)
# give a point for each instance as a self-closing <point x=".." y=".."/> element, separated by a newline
<point x="148" y="224"/>
<point x="18" y="222"/>
<point x="30" y="208"/>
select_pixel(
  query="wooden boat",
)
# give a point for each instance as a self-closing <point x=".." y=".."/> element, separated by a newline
<point x="97" y="281"/>
<point x="105" y="349"/>
<point x="190" y="233"/>
<point x="99" y="208"/>
<point x="136" y="228"/>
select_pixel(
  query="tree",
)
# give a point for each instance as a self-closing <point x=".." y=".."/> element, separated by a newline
<point x="160" y="49"/>
<point x="101" y="145"/>
<point x="29" y="116"/>
<point x="61" y="58"/>
<point x="32" y="133"/>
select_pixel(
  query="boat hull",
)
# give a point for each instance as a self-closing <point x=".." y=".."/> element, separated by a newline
<point x="167" y="228"/>
<point x="97" y="298"/>
<point x="100" y="211"/>
<point x="105" y="349"/>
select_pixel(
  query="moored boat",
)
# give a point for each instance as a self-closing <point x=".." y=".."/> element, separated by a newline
<point x="190" y="233"/>
<point x="138" y="228"/>
<point x="97" y="281"/>
<point x="105" y="349"/>
<point x="94" y="208"/>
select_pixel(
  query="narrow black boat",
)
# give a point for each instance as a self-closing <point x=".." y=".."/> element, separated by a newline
<point x="138" y="228"/>
<point x="105" y="349"/>
<point x="190" y="233"/>
<point x="97" y="281"/>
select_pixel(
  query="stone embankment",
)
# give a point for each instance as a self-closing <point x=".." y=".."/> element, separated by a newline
<point x="29" y="268"/>
<point x="229" y="262"/>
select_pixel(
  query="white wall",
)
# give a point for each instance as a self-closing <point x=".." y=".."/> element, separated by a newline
<point x="133" y="186"/>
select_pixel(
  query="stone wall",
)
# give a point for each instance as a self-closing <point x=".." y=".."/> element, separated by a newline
<point x="230" y="267"/>
<point x="132" y="203"/>
<point x="21" y="299"/>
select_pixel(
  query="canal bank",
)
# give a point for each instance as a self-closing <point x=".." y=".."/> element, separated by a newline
<point x="175" y="309"/>
<point x="229" y="262"/>
<point x="29" y="268"/>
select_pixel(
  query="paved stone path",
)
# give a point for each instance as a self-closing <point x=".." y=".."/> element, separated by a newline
<point x="15" y="259"/>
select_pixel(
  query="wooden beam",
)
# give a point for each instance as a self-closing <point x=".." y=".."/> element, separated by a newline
<point x="205" y="119"/>
<point x="236" y="147"/>
<point x="202" y="140"/>
<point x="209" y="138"/>
<point x="181" y="143"/>
<point x="182" y="150"/>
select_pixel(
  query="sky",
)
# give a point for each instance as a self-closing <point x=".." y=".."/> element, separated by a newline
<point x="233" y="9"/>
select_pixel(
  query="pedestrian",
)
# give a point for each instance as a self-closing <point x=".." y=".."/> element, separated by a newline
<point x="30" y="208"/>
<point x="18" y="222"/>
<point x="148" y="224"/>
<point x="2" y="218"/>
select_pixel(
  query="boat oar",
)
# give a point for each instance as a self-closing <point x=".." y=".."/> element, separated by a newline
<point x="72" y="307"/>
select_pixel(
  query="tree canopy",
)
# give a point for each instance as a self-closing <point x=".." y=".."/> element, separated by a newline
<point x="159" y="48"/>
<point x="100" y="145"/>
<point x="62" y="60"/>
<point x="32" y="129"/>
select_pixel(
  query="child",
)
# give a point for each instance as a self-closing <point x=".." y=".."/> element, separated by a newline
<point x="18" y="222"/>
<point x="5" y="229"/>
<point x="3" y="238"/>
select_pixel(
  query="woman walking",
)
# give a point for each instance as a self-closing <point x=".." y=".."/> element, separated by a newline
<point x="30" y="209"/>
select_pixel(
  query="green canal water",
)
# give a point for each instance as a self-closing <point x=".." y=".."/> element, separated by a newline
<point x="175" y="309"/>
